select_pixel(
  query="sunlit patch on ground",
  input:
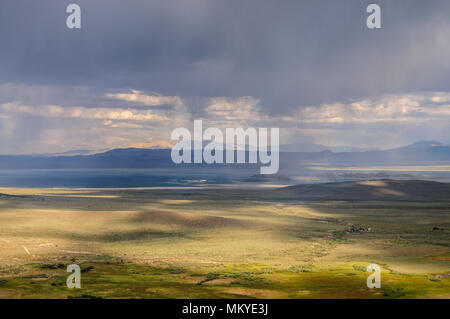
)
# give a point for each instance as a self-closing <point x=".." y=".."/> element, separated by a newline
<point x="220" y="244"/>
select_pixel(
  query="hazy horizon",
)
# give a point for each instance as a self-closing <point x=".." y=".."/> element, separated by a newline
<point x="308" y="148"/>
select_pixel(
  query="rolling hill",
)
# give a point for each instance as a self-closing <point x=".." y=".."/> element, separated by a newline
<point x="411" y="190"/>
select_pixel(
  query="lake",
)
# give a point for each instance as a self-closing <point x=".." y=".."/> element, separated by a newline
<point x="119" y="178"/>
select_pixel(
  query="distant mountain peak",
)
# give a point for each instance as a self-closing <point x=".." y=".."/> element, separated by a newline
<point x="422" y="145"/>
<point x="427" y="143"/>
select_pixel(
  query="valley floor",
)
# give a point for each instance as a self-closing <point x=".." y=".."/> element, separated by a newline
<point x="213" y="243"/>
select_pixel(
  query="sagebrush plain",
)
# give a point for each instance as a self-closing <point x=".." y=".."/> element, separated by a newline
<point x="223" y="243"/>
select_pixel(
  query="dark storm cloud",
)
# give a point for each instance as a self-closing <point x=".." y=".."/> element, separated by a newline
<point x="285" y="53"/>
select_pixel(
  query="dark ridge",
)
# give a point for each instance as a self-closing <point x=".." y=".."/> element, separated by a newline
<point x="386" y="189"/>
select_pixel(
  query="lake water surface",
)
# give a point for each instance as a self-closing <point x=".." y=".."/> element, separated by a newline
<point x="189" y="177"/>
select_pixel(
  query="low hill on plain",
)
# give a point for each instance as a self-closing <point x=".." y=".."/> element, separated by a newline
<point x="403" y="190"/>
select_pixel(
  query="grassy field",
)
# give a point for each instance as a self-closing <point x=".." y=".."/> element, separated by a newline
<point x="220" y="243"/>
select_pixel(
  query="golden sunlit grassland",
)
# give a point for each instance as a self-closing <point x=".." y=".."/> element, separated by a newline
<point x="219" y="243"/>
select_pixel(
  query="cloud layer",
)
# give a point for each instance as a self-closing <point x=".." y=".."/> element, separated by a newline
<point x="146" y="120"/>
<point x="138" y="69"/>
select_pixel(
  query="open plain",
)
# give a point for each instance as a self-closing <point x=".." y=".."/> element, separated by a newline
<point x="309" y="241"/>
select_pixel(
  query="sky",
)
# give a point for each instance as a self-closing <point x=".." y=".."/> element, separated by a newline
<point x="136" y="70"/>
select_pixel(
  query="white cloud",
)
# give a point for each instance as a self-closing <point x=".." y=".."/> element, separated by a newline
<point x="412" y="108"/>
<point x="371" y="122"/>
<point x="83" y="112"/>
<point x="148" y="100"/>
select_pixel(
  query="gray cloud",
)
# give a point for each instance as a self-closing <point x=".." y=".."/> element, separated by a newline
<point x="289" y="56"/>
<point x="286" y="54"/>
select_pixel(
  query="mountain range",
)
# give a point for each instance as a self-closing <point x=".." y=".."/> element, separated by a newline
<point x="420" y="153"/>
